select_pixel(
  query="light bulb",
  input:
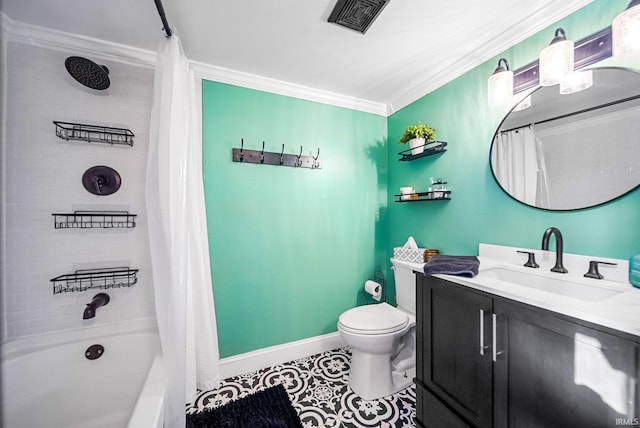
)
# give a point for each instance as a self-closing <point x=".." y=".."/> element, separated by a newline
<point x="556" y="60"/>
<point x="576" y="81"/>
<point x="625" y="30"/>
<point x="500" y="85"/>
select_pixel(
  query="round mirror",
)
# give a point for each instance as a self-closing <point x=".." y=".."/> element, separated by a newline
<point x="573" y="151"/>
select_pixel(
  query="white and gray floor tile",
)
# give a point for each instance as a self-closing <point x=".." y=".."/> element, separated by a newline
<point x="318" y="389"/>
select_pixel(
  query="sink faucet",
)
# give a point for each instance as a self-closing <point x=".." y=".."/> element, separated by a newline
<point x="98" y="300"/>
<point x="545" y="246"/>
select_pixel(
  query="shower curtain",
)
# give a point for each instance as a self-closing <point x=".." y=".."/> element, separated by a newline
<point x="178" y="234"/>
<point x="518" y="163"/>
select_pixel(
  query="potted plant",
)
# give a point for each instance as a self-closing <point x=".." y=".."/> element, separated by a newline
<point x="417" y="136"/>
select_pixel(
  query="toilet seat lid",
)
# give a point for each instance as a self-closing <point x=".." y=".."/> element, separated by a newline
<point x="374" y="319"/>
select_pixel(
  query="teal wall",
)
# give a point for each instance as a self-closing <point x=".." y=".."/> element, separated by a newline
<point x="479" y="211"/>
<point x="290" y="248"/>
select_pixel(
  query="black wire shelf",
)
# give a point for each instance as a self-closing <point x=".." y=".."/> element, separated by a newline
<point x="430" y="148"/>
<point x="87" y="279"/>
<point x="436" y="195"/>
<point x="93" y="134"/>
<point x="95" y="220"/>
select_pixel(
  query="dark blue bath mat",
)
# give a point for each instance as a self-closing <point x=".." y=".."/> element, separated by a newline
<point x="269" y="408"/>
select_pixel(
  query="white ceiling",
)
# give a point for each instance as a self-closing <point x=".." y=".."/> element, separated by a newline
<point x="413" y="47"/>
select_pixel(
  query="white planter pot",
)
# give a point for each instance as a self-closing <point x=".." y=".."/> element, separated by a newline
<point x="417" y="145"/>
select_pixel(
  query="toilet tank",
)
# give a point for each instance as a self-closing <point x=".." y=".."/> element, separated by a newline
<point x="406" y="284"/>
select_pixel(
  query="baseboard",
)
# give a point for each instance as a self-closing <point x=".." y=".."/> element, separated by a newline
<point x="265" y="357"/>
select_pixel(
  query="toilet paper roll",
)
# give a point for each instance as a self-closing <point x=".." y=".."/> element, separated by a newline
<point x="374" y="289"/>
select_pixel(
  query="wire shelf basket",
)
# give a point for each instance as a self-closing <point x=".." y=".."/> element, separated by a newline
<point x="93" y="134"/>
<point x="87" y="279"/>
<point x="94" y="220"/>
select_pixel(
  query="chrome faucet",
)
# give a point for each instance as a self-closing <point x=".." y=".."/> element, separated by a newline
<point x="98" y="300"/>
<point x="545" y="246"/>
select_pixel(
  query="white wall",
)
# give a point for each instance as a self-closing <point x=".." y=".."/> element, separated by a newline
<point x="42" y="175"/>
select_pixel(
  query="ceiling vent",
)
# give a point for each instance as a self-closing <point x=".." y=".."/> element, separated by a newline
<point x="357" y="14"/>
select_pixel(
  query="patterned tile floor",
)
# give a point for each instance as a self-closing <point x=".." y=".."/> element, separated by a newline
<point x="317" y="387"/>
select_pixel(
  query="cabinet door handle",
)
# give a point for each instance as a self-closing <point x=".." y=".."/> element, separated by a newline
<point x="495" y="350"/>
<point x="482" y="345"/>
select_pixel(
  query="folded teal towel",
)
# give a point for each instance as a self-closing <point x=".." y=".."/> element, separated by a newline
<point x="452" y="265"/>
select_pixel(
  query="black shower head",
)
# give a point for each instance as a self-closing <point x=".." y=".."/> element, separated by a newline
<point x="88" y="73"/>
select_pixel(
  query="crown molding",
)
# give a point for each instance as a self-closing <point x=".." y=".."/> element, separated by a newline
<point x="19" y="32"/>
<point x="280" y="87"/>
<point x="505" y="41"/>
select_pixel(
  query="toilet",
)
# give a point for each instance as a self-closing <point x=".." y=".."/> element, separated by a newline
<point x="383" y="339"/>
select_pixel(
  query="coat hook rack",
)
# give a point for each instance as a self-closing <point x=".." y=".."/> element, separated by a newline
<point x="274" y="158"/>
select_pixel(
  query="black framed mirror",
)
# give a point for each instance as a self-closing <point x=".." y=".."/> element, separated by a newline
<point x="574" y="151"/>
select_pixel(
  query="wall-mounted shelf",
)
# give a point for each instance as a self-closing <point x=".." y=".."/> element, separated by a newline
<point x="93" y="134"/>
<point x="437" y="195"/>
<point x="95" y="220"/>
<point x="87" y="279"/>
<point x="430" y="149"/>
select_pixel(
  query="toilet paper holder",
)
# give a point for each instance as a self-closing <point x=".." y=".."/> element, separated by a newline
<point x="378" y="276"/>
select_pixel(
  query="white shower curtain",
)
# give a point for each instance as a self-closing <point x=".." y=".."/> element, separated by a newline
<point x="515" y="162"/>
<point x="178" y="234"/>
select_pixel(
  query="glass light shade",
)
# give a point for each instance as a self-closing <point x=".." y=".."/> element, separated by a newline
<point x="556" y="61"/>
<point x="625" y="30"/>
<point x="576" y="81"/>
<point x="500" y="88"/>
<point x="523" y="105"/>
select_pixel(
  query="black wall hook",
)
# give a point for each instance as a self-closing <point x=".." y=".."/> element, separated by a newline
<point x="241" y="149"/>
<point x="298" y="162"/>
<point x="282" y="155"/>
<point x="316" y="164"/>
<point x="262" y="153"/>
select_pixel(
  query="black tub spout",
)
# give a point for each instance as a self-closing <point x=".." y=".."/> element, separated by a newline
<point x="98" y="300"/>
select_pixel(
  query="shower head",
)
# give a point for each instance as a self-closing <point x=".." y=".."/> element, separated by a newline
<point x="88" y="73"/>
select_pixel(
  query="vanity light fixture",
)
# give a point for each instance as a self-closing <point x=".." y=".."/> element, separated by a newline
<point x="625" y="29"/>
<point x="500" y="84"/>
<point x="576" y="81"/>
<point x="556" y="60"/>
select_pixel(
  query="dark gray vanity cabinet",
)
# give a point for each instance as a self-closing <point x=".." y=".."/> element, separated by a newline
<point x="450" y="363"/>
<point x="487" y="361"/>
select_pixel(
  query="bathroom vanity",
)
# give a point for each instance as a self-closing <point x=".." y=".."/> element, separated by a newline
<point x="497" y="351"/>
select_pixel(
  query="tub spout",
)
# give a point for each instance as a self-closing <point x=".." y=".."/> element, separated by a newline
<point x="98" y="300"/>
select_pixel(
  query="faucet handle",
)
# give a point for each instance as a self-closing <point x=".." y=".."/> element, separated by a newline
<point x="532" y="259"/>
<point x="593" y="269"/>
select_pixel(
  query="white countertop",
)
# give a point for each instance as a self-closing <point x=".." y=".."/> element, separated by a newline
<point x="619" y="312"/>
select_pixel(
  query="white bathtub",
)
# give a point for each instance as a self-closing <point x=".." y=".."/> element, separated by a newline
<point x="48" y="382"/>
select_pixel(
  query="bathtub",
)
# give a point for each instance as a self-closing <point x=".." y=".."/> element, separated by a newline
<point x="48" y="382"/>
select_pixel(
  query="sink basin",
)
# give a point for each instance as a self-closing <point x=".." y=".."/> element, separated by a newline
<point x="577" y="290"/>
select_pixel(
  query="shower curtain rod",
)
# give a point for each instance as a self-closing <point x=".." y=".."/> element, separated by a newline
<point x="562" y="116"/>
<point x="163" y="17"/>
